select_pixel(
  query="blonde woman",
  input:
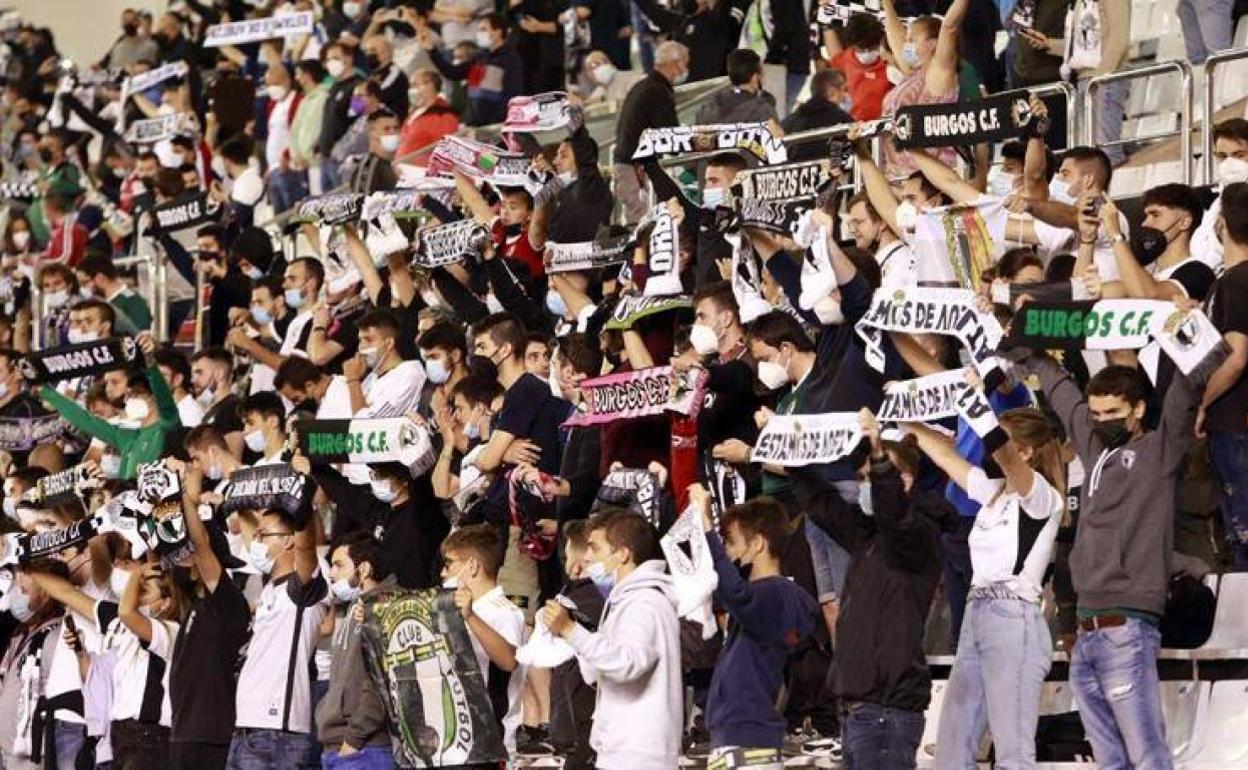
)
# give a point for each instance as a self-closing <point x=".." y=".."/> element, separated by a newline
<point x="1004" y="649"/>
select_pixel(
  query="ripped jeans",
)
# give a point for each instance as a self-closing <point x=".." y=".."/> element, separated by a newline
<point x="1229" y="452"/>
<point x="1113" y="672"/>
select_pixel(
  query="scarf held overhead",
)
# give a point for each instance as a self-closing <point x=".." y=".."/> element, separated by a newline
<point x="754" y="138"/>
<point x="378" y="440"/>
<point x="253" y="30"/>
<point x="999" y="117"/>
<point x="81" y="360"/>
<point x="420" y="658"/>
<point x="642" y="393"/>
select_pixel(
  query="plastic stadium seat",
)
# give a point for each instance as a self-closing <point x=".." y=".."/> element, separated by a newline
<point x="1230" y="622"/>
<point x="1057" y="698"/>
<point x="1180" y="704"/>
<point x="1225" y="743"/>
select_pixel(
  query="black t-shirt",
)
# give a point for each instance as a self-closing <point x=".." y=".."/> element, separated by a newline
<point x="1196" y="278"/>
<point x="410" y="537"/>
<point x="531" y="412"/>
<point x="1229" y="312"/>
<point x="201" y="680"/>
<point x="226" y="415"/>
<point x="731" y="401"/>
<point x="409" y="321"/>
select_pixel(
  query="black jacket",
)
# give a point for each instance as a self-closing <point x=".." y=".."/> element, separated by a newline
<point x="651" y="103"/>
<point x="581" y="207"/>
<point x="337" y="114"/>
<point x="893" y="571"/>
<point x="815" y="112"/>
<point x="790" y="39"/>
<point x="710" y="35"/>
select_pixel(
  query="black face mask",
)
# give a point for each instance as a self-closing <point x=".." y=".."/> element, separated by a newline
<point x="483" y="367"/>
<point x="1112" y="433"/>
<point x="1148" y="243"/>
<point x="129" y="30"/>
<point x="373" y="61"/>
<point x="744" y="569"/>
<point x="45" y="154"/>
<point x="514" y="230"/>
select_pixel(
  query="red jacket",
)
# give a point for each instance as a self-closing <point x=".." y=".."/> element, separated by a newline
<point x="68" y="243"/>
<point x="424" y="127"/>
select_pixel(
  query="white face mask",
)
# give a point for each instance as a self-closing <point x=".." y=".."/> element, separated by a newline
<point x="867" y="57"/>
<point x="255" y="440"/>
<point x="1000" y="182"/>
<point x="218" y="167"/>
<point x="864" y="498"/>
<point x="345" y="592"/>
<point x="258" y="557"/>
<point x="206" y="397"/>
<point x="910" y="54"/>
<point x="772" y="375"/>
<point x="437" y="371"/>
<point x="704" y="339"/>
<point x="712" y="197"/>
<point x="19" y="604"/>
<point x="10" y="507"/>
<point x="390" y="142"/>
<point x="907" y="216"/>
<point x="56" y="299"/>
<point x="555" y="303"/>
<point x="214" y="472"/>
<point x="21" y="238"/>
<point x="485" y="41"/>
<point x="1060" y="191"/>
<point x="567" y="177"/>
<point x="603" y="74"/>
<point x="110" y="466"/>
<point x="451" y="583"/>
<point x="137" y="409"/>
<point x="335" y="68"/>
<point x="77" y="335"/>
<point x="1230" y="171"/>
<point x="351" y="8"/>
<point x="117" y="580"/>
<point x="277" y="93"/>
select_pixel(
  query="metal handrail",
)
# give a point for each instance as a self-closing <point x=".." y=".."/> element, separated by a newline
<point x="1069" y="91"/>
<point x="1211" y="65"/>
<point x="1184" y="71"/>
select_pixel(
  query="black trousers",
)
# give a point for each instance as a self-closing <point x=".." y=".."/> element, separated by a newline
<point x="185" y="755"/>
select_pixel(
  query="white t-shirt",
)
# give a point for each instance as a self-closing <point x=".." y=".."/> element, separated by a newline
<point x="394" y="393"/>
<point x="954" y="245"/>
<point x="498" y="612"/>
<point x="294" y="333"/>
<point x="1013" y="539"/>
<point x="336" y="403"/>
<point x="248" y="188"/>
<point x="140" y="671"/>
<point x="279" y="131"/>
<point x="896" y="262"/>
<point x="63" y="674"/>
<point x="274" y="689"/>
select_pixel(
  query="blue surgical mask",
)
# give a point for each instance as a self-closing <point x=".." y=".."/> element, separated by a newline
<point x="1000" y="182"/>
<point x="19" y="604"/>
<point x="344" y="592"/>
<point x="472" y="432"/>
<point x="712" y="197"/>
<point x="383" y="490"/>
<point x="260" y="315"/>
<point x="597" y="572"/>
<point x="254" y="441"/>
<point x="254" y="273"/>
<point x="555" y="303"/>
<point x="437" y="371"/>
<point x="294" y="298"/>
<point x="910" y="54"/>
<point x="1060" y="191"/>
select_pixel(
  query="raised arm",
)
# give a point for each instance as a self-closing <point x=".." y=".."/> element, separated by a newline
<point x="879" y="191"/>
<point x="942" y="71"/>
<point x="363" y="262"/>
<point x="210" y="569"/>
<point x="472" y="199"/>
<point x="128" y="609"/>
<point x="944" y="178"/>
<point x="895" y="34"/>
<point x="65" y="593"/>
<point x="941" y="451"/>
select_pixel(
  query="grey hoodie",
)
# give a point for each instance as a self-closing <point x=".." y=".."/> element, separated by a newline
<point x="1125" y="533"/>
<point x="635" y="660"/>
<point x="738" y="106"/>
<point x="351" y="710"/>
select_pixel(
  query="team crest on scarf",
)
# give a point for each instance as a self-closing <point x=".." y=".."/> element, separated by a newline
<point x="968" y="243"/>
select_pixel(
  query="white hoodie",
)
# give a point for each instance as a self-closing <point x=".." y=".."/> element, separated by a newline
<point x="634" y="658"/>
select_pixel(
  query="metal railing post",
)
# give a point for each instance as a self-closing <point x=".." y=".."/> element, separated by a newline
<point x="157" y="266"/>
<point x="36" y="323"/>
<point x="1180" y="68"/>
<point x="1211" y="65"/>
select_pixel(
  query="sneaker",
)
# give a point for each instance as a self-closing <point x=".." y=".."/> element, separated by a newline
<point x="795" y="738"/>
<point x="823" y="747"/>
<point x="697" y="743"/>
<point x="533" y="741"/>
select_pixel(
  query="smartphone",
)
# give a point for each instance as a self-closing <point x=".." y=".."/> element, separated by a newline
<point x="1094" y="207"/>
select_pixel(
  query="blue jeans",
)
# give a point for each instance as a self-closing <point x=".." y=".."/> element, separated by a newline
<point x="367" y="758"/>
<point x="645" y="38"/>
<point x="1113" y="673"/>
<point x="253" y="749"/>
<point x="830" y="560"/>
<point x="1003" y="656"/>
<point x="794" y="82"/>
<point x="1207" y="27"/>
<point x="330" y="176"/>
<point x="286" y="188"/>
<point x="1229" y="452"/>
<point x="875" y="737"/>
<point x="69" y="739"/>
<point x="1111" y="105"/>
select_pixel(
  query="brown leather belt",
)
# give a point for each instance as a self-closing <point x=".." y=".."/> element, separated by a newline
<point x="1102" y="621"/>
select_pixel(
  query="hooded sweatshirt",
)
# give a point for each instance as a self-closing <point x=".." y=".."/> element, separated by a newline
<point x="737" y="105"/>
<point x="770" y="618"/>
<point x="634" y="658"/>
<point x="351" y="711"/>
<point x="1121" y="558"/>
